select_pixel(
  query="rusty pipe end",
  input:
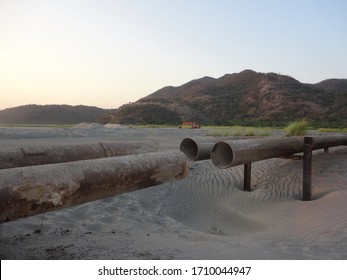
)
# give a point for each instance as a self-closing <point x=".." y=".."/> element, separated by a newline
<point x="190" y="148"/>
<point x="222" y="155"/>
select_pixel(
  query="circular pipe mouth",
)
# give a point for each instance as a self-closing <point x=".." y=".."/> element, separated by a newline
<point x="222" y="155"/>
<point x="190" y="148"/>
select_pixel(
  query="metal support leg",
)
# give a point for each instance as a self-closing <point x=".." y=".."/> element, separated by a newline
<point x="307" y="169"/>
<point x="247" y="177"/>
<point x="326" y="150"/>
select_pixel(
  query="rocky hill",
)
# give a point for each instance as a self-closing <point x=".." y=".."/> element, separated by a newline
<point x="51" y="114"/>
<point x="244" y="98"/>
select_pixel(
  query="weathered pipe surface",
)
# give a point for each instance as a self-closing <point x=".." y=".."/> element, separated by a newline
<point x="31" y="190"/>
<point x="321" y="142"/>
<point x="197" y="150"/>
<point x="200" y="149"/>
<point x="38" y="155"/>
<point x="231" y="153"/>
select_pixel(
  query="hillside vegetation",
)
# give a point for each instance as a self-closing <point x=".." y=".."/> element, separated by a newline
<point x="51" y="114"/>
<point x="246" y="98"/>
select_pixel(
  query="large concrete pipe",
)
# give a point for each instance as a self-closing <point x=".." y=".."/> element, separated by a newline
<point x="38" y="155"/>
<point x="27" y="191"/>
<point x="231" y="153"/>
<point x="200" y="149"/>
<point x="321" y="142"/>
<point x="197" y="149"/>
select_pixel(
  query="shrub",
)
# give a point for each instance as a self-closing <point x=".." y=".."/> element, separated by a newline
<point x="297" y="128"/>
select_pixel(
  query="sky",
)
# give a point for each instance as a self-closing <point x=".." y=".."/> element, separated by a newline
<point x="107" y="53"/>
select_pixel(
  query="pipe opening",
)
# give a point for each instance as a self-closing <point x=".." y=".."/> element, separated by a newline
<point x="190" y="148"/>
<point x="222" y="155"/>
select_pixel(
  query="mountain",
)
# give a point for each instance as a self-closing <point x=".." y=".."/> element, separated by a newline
<point x="51" y="114"/>
<point x="247" y="98"/>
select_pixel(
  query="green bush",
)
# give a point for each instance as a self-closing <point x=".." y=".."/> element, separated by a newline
<point x="297" y="128"/>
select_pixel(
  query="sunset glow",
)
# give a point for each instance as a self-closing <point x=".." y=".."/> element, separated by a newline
<point x="107" y="53"/>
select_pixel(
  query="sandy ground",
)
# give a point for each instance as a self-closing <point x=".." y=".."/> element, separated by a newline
<point x="204" y="216"/>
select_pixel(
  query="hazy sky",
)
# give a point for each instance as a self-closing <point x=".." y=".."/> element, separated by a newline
<point x="107" y="53"/>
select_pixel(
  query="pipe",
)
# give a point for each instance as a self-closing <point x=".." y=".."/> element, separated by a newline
<point x="27" y="191"/>
<point x="38" y="155"/>
<point x="200" y="149"/>
<point x="231" y="153"/>
<point x="323" y="142"/>
<point x="197" y="149"/>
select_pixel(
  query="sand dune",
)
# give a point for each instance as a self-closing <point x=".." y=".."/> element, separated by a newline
<point x="204" y="216"/>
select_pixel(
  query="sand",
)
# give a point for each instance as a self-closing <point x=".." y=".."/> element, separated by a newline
<point x="204" y="216"/>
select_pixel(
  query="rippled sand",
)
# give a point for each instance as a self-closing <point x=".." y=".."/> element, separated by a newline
<point x="204" y="216"/>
